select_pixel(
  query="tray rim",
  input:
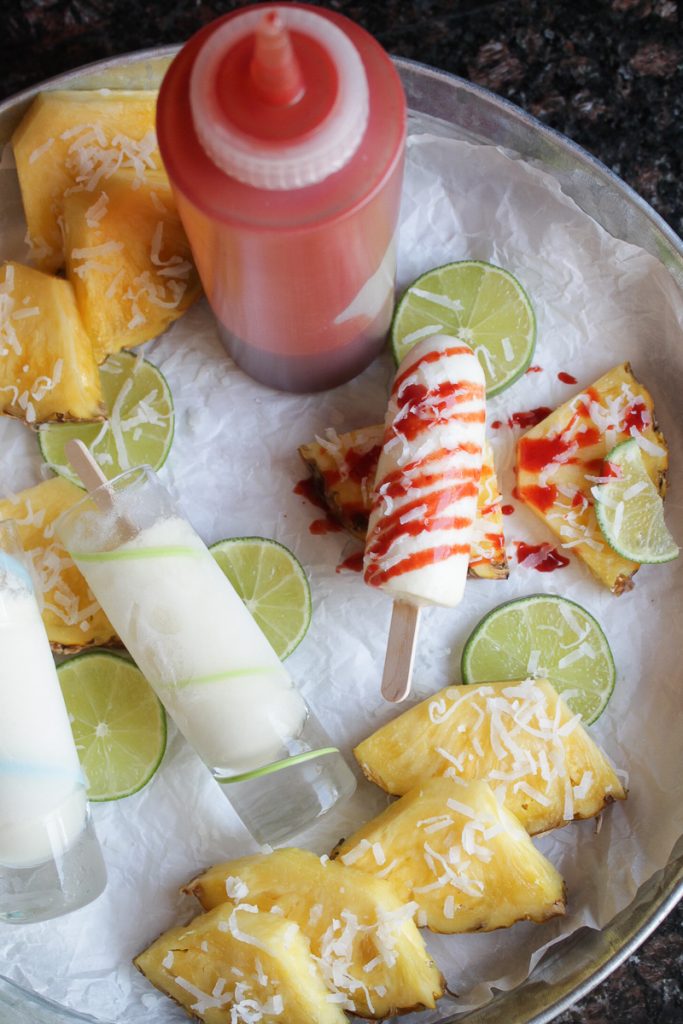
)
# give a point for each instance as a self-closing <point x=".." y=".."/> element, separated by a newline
<point x="666" y="883"/>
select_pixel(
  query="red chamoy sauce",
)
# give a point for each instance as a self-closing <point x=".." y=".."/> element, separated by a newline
<point x="354" y="563"/>
<point x="534" y="369"/>
<point x="638" y="416"/>
<point x="566" y="378"/>
<point x="496" y="425"/>
<point x="307" y="489"/>
<point x="507" y="510"/>
<point x="529" y="418"/>
<point x="551" y="558"/>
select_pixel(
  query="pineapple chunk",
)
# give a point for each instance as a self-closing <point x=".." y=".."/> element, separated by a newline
<point x="344" y="473"/>
<point x="560" y="460"/>
<point x="47" y="367"/>
<point x="128" y="260"/>
<point x="72" y="140"/>
<point x="520" y="737"/>
<point x="466" y="861"/>
<point x="73" y="618"/>
<point x="366" y="945"/>
<point x="236" y="964"/>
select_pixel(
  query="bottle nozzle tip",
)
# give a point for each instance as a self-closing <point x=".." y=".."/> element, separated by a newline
<point x="274" y="69"/>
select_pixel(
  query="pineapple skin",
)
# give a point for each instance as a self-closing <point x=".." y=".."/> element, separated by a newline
<point x="607" y="566"/>
<point x="517" y="883"/>
<point x="407" y="751"/>
<point x="348" y="495"/>
<point x="34" y="512"/>
<point x="47" y="357"/>
<point x="296" y="881"/>
<point x="128" y="296"/>
<point x="206" y="954"/>
<point x="48" y="162"/>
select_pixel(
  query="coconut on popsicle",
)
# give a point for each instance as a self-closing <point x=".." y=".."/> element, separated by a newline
<point x="425" y="494"/>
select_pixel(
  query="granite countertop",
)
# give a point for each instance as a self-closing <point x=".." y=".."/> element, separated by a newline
<point x="607" y="73"/>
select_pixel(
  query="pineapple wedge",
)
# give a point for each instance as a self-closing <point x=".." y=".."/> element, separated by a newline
<point x="47" y="367"/>
<point x="343" y="469"/>
<point x="560" y="460"/>
<point x="74" y="140"/>
<point x="128" y="260"/>
<point x="364" y="940"/>
<point x="466" y="861"/>
<point x="520" y="737"/>
<point x="73" y="618"/>
<point x="236" y="964"/>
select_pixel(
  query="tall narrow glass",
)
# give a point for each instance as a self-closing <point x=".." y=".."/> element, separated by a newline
<point x="50" y="861"/>
<point x="205" y="657"/>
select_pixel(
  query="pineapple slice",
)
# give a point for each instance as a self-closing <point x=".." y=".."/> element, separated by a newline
<point x="72" y="140"/>
<point x="236" y="964"/>
<point x="560" y="460"/>
<point x="520" y="737"/>
<point x="128" y="260"/>
<point x="466" y="861"/>
<point x="73" y="618"/>
<point x="47" y="367"/>
<point x="344" y="472"/>
<point x="365" y="943"/>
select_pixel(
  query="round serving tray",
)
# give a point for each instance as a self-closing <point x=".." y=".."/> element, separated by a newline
<point x="449" y="106"/>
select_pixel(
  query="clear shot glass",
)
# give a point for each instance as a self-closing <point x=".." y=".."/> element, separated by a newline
<point x="201" y="651"/>
<point x="50" y="860"/>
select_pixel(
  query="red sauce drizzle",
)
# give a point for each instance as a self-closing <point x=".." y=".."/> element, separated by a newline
<point x="507" y="510"/>
<point x="429" y="357"/>
<point x="354" y="563"/>
<point x="529" y="418"/>
<point x="552" y="559"/>
<point x="535" y="453"/>
<point x="324" y="526"/>
<point x="496" y="425"/>
<point x="535" y="369"/>
<point x="389" y="527"/>
<point x="516" y="494"/>
<point x="610" y="469"/>
<point x="360" y="465"/>
<point x="542" y="497"/>
<point x="307" y="489"/>
<point x="587" y="438"/>
<point x="375" y="577"/>
<point x="566" y="378"/>
<point x="578" y="499"/>
<point x="441" y="402"/>
<point x="638" y="416"/>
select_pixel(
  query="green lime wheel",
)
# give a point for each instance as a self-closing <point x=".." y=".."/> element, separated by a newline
<point x="547" y="637"/>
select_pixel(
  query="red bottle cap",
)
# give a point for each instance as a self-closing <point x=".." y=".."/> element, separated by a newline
<point x="279" y="97"/>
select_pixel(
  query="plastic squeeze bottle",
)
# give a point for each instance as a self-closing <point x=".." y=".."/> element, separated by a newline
<point x="282" y="129"/>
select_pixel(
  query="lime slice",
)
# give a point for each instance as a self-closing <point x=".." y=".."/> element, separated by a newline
<point x="545" y="637"/>
<point x="273" y="586"/>
<point x="139" y="428"/>
<point x="482" y="305"/>
<point x="630" y="510"/>
<point x="118" y="723"/>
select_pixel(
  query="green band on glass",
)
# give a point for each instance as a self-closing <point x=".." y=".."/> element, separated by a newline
<point x="129" y="554"/>
<point x="276" y="766"/>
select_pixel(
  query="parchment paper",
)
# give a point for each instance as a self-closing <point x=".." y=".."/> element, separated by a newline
<point x="233" y="465"/>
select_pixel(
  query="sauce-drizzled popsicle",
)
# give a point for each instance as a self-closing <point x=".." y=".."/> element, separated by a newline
<point x="425" y="494"/>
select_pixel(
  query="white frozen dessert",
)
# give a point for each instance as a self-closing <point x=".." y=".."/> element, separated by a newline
<point x="197" y="645"/>
<point x="427" y="481"/>
<point x="42" y="795"/>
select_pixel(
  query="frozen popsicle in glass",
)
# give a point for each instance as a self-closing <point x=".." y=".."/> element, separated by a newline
<point x="205" y="657"/>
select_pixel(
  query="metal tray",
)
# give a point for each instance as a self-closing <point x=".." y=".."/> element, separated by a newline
<point x="450" y="106"/>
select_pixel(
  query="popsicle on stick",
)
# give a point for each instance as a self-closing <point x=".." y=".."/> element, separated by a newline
<point x="425" y="494"/>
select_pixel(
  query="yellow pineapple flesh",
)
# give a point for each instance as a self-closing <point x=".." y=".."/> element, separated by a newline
<point x="465" y="860"/>
<point x="73" y="618"/>
<point x="75" y="140"/>
<point x="128" y="260"/>
<point x="343" y="467"/>
<point x="363" y="938"/>
<point x="520" y="737"/>
<point x="560" y="460"/>
<point x="236" y="964"/>
<point x="47" y="367"/>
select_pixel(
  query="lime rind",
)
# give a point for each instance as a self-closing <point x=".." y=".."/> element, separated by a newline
<point x="633" y="525"/>
<point x="131" y="725"/>
<point x="507" y="644"/>
<point x="264" y="601"/>
<point x="52" y="437"/>
<point x="437" y="321"/>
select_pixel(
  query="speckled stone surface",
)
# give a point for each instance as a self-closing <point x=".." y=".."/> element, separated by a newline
<point x="607" y="73"/>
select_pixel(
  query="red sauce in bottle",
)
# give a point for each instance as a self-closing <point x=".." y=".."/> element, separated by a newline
<point x="566" y="378"/>
<point x="552" y="559"/>
<point x="529" y="418"/>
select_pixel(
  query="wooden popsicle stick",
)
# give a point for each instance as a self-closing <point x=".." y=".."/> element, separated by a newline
<point x="91" y="476"/>
<point x="398" y="664"/>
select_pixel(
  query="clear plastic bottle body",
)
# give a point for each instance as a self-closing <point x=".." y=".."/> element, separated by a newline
<point x="301" y="281"/>
<point x="207" y="660"/>
<point x="50" y="862"/>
